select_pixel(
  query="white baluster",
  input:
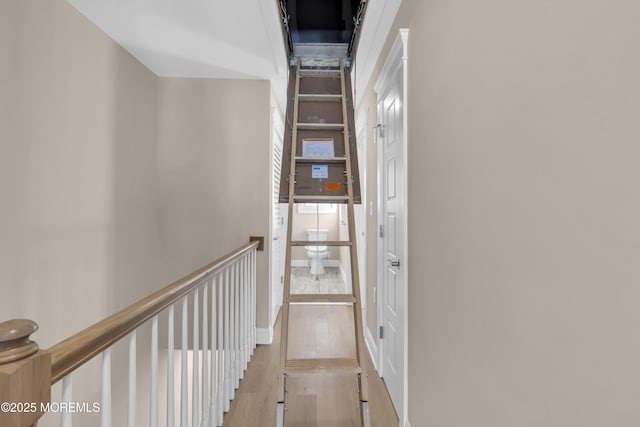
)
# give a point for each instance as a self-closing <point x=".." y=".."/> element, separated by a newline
<point x="212" y="404"/>
<point x="133" y="376"/>
<point x="220" y="352"/>
<point x="184" y="391"/>
<point x="195" y="383"/>
<point x="253" y="300"/>
<point x="251" y="320"/>
<point x="242" y="308"/>
<point x="105" y="409"/>
<point x="153" y="396"/>
<point x="67" y="395"/>
<point x="247" y="336"/>
<point x="239" y="325"/>
<point x="234" y="330"/>
<point x="251" y="317"/>
<point x="170" y="369"/>
<point x="205" y="354"/>
<point x="227" y="344"/>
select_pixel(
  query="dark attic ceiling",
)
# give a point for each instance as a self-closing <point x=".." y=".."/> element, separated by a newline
<point x="321" y="21"/>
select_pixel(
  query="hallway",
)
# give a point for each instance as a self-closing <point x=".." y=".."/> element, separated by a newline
<point x="314" y="400"/>
<point x="136" y="143"/>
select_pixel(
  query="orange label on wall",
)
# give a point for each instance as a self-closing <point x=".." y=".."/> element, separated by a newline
<point x="332" y="186"/>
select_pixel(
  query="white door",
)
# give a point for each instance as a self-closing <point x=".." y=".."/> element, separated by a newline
<point x="277" y="219"/>
<point x="390" y="110"/>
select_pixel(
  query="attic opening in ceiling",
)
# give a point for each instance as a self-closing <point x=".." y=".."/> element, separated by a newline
<point x="322" y="21"/>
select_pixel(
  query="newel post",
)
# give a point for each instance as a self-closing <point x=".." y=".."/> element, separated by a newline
<point x="25" y="375"/>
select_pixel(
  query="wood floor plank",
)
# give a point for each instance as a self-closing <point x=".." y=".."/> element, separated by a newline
<point x="312" y="400"/>
<point x="321" y="331"/>
<point x="335" y="401"/>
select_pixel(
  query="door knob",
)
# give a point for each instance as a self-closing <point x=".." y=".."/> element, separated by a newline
<point x="394" y="263"/>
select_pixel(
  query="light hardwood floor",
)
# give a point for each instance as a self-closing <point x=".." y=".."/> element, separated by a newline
<point x="313" y="400"/>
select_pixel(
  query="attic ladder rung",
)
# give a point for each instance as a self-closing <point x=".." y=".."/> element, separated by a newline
<point x="311" y="199"/>
<point x="349" y="364"/>
<point x="310" y="97"/>
<point x="318" y="72"/>
<point x="307" y="159"/>
<point x="320" y="126"/>
<point x="320" y="243"/>
<point x="310" y="298"/>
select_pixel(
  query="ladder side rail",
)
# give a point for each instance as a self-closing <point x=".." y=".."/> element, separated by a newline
<point x="287" y="273"/>
<point x="355" y="276"/>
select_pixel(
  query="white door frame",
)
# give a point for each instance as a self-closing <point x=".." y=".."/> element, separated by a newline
<point x="396" y="59"/>
<point x="362" y="126"/>
<point x="275" y="298"/>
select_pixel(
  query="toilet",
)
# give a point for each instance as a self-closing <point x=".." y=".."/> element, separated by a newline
<point x="317" y="254"/>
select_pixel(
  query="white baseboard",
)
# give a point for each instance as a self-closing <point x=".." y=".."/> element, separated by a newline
<point x="372" y="346"/>
<point x="264" y="335"/>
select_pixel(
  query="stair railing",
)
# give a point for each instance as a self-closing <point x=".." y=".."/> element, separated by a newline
<point x="218" y="311"/>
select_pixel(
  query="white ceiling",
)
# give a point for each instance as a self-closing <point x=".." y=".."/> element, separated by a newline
<point x="196" y="38"/>
<point x="234" y="39"/>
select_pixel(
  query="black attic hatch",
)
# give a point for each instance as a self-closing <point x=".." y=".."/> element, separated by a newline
<point x="322" y="22"/>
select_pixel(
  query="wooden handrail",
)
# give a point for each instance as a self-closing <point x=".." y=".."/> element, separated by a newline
<point x="78" y="349"/>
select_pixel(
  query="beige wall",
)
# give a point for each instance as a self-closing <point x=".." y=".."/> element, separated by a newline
<point x="103" y="164"/>
<point x="78" y="229"/>
<point x="213" y="173"/>
<point x="523" y="213"/>
<point x="77" y="185"/>
<point x="113" y="183"/>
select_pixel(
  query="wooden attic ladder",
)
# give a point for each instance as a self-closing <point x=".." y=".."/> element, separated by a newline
<point x="314" y="92"/>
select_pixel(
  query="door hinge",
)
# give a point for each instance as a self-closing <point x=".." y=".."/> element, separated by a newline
<point x="381" y="230"/>
<point x="381" y="332"/>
